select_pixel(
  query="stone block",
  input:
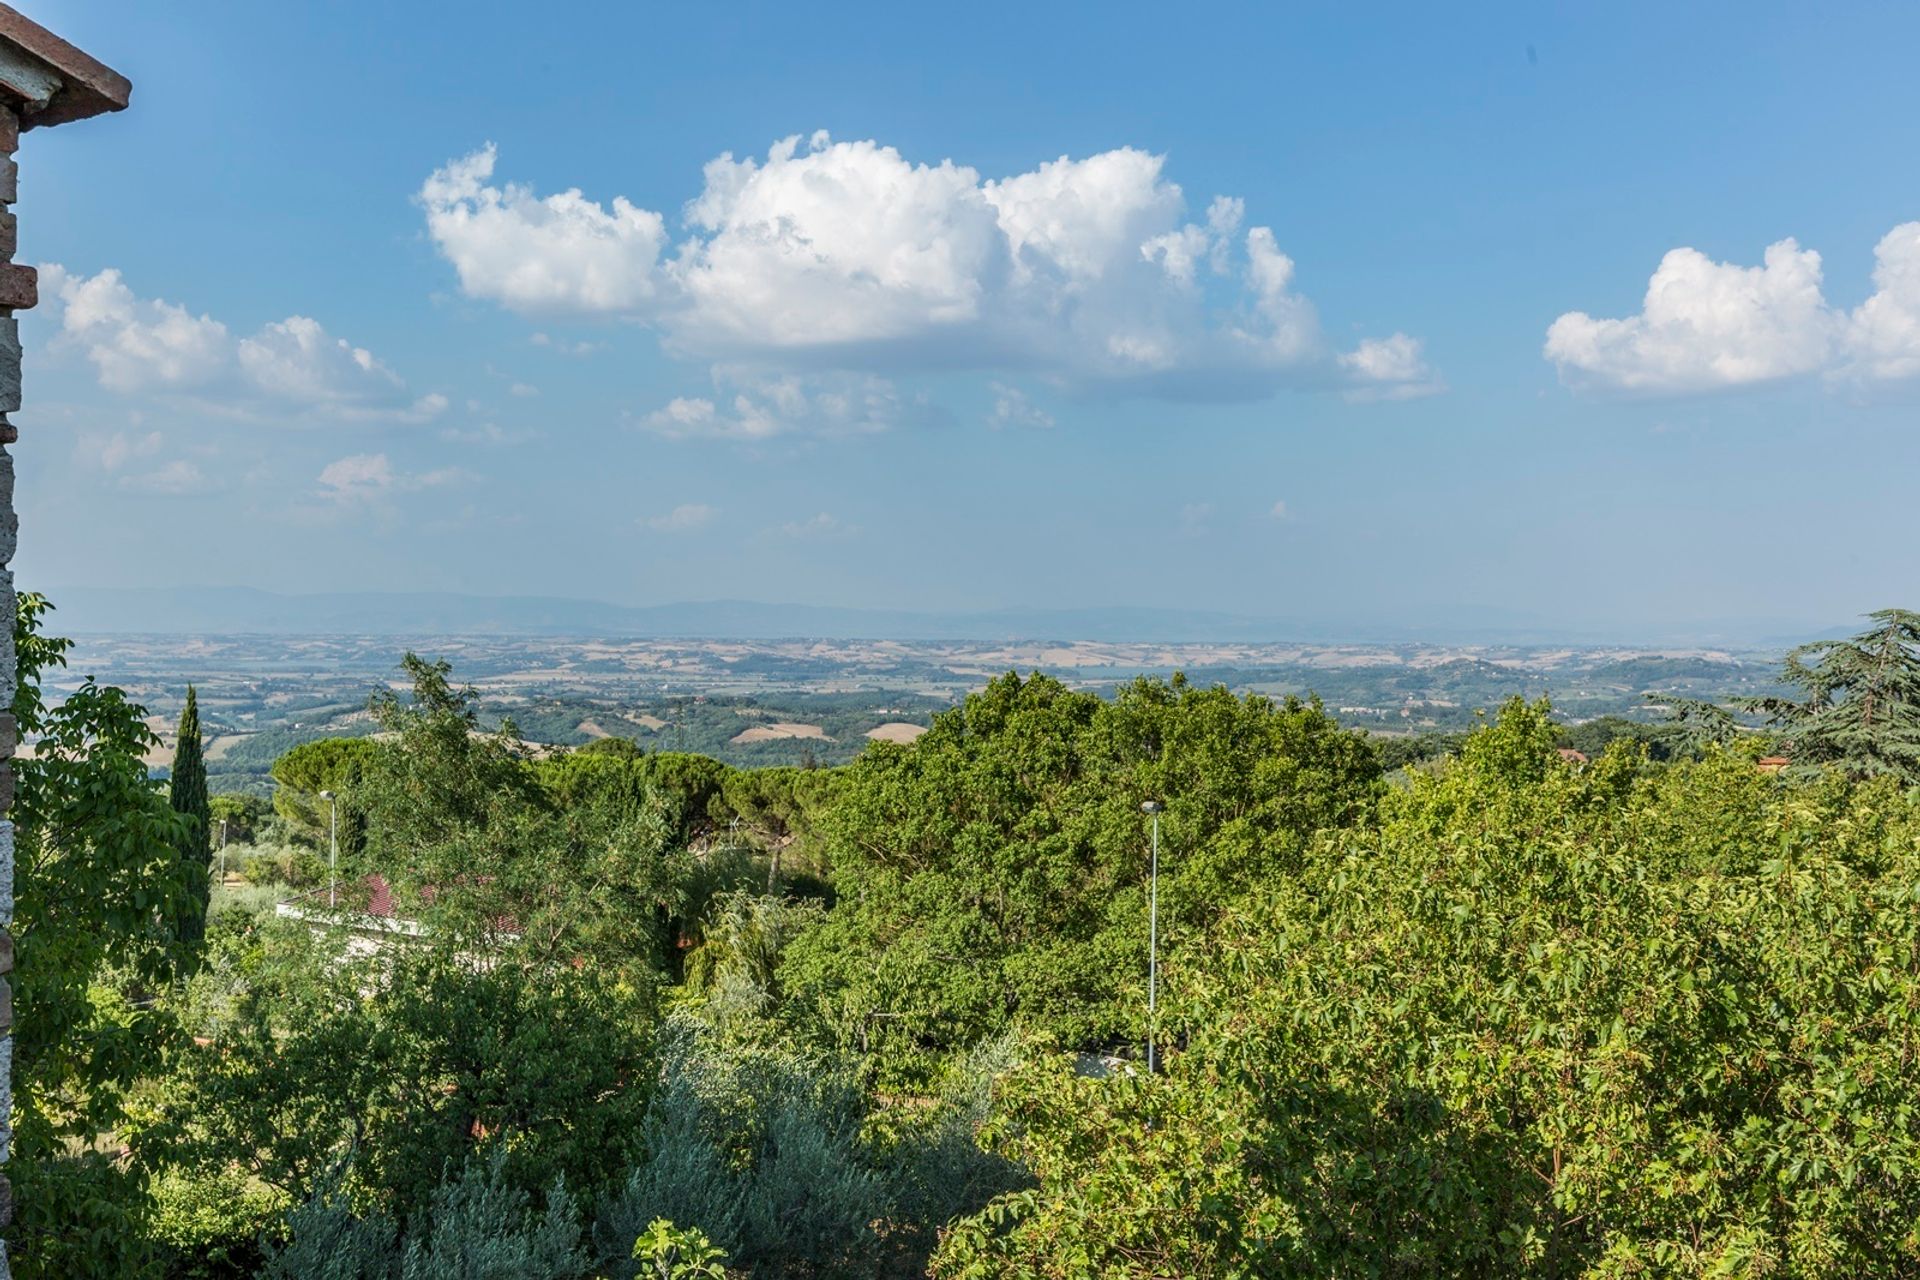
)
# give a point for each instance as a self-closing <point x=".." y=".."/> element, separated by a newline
<point x="6" y="1098"/>
<point x="10" y="362"/>
<point x="19" y="287"/>
<point x="6" y="1004"/>
<point x="6" y="794"/>
<point x="9" y="181"/>
<point x="9" y="131"/>
<point x="9" y="734"/>
<point x="6" y="951"/>
<point x="6" y="874"/>
<point x="9" y="519"/>
<point x="9" y="234"/>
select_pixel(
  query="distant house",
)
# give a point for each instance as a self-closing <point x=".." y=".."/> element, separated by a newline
<point x="364" y="908"/>
<point x="1771" y="764"/>
<point x="1571" y="756"/>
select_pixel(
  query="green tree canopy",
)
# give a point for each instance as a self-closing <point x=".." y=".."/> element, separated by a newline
<point x="460" y="823"/>
<point x="326" y="764"/>
<point x="237" y="816"/>
<point x="405" y="1067"/>
<point x="1544" y="1022"/>
<point x="1859" y="701"/>
<point x="97" y="885"/>
<point x="995" y="870"/>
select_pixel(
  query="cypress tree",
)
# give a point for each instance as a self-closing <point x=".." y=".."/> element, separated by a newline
<point x="187" y="792"/>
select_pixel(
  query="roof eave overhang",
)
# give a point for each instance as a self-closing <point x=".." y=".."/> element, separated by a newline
<point x="47" y="81"/>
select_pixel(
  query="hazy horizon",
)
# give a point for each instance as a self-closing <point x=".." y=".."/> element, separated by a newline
<point x="244" y="610"/>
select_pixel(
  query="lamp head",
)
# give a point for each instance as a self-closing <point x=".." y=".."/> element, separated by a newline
<point x="326" y="795"/>
<point x="1153" y="806"/>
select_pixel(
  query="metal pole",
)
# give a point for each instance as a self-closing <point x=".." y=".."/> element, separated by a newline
<point x="1153" y="949"/>
<point x="1153" y="808"/>
<point x="333" y="853"/>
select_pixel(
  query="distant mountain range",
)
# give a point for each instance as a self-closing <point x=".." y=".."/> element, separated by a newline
<point x="246" y="611"/>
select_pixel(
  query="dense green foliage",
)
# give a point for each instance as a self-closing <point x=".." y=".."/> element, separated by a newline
<point x="1859" y="700"/>
<point x="994" y="873"/>
<point x="479" y="1226"/>
<point x="187" y="794"/>
<point x="1510" y="1012"/>
<point x="406" y="1067"/>
<point x="237" y="817"/>
<point x="329" y="764"/>
<point x="1542" y="1022"/>
<point x="96" y="880"/>
<point x="584" y="872"/>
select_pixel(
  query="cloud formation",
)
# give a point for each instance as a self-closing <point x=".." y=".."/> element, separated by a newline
<point x="1392" y="368"/>
<point x="846" y="256"/>
<point x="683" y="518"/>
<point x="1707" y="325"/>
<point x="1012" y="408"/>
<point x="128" y="458"/>
<point x="1883" y="333"/>
<point x="368" y="477"/>
<point x="751" y="406"/>
<point x="561" y="253"/>
<point x="148" y="346"/>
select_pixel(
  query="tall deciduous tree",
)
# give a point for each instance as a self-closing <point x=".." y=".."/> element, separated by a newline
<point x="95" y="876"/>
<point x="187" y="793"/>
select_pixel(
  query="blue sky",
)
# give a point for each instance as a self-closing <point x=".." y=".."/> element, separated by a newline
<point x="1273" y="339"/>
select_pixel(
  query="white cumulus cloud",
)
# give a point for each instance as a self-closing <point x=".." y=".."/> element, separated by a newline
<point x="1707" y="325"/>
<point x="295" y="359"/>
<point x="135" y="344"/>
<point x="561" y="253"/>
<point x="147" y="346"/>
<point x="849" y="257"/>
<point x="1883" y="334"/>
<point x="1392" y="368"/>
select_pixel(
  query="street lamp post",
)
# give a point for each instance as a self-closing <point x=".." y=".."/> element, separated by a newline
<point x="1153" y="809"/>
<point x="333" y="849"/>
